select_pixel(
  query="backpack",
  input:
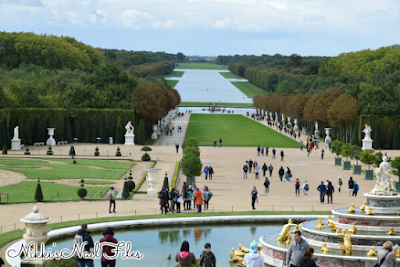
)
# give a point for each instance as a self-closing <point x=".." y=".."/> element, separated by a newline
<point x="306" y="187"/>
<point x="78" y="240"/>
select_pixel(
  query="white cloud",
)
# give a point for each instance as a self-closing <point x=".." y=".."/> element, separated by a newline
<point x="136" y="19"/>
<point x="314" y="18"/>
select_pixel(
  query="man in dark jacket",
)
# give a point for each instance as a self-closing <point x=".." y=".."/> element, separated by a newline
<point x="281" y="173"/>
<point x="84" y="233"/>
<point x="329" y="191"/>
<point x="264" y="168"/>
<point x="250" y="165"/>
<point x="322" y="188"/>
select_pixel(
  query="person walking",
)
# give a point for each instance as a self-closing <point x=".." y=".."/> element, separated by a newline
<point x="206" y="170"/>
<point x="83" y="235"/>
<point x="163" y="196"/>
<point x="306" y="260"/>
<point x="177" y="147"/>
<point x="270" y="168"/>
<point x="111" y="197"/>
<point x="266" y="185"/>
<point x="245" y="169"/>
<point x="306" y="187"/>
<point x="273" y="153"/>
<point x="315" y="148"/>
<point x="108" y="237"/>
<point x="220" y="142"/>
<point x="185" y="257"/>
<point x="256" y="171"/>
<point x="266" y="151"/>
<point x="281" y="172"/>
<point x="329" y="191"/>
<point x="215" y="142"/>
<point x="282" y="155"/>
<point x="258" y="151"/>
<point x="322" y="154"/>
<point x="199" y="199"/>
<point x="210" y="172"/>
<point x="264" y="168"/>
<point x="253" y="259"/>
<point x="386" y="257"/>
<point x="339" y="183"/>
<point x="253" y="197"/>
<point x="262" y="150"/>
<point x="178" y="201"/>
<point x="301" y="145"/>
<point x="296" y="250"/>
<point x="185" y="198"/>
<point x="173" y="200"/>
<point x="322" y="188"/>
<point x="207" y="195"/>
<point x="351" y="186"/>
<point x="250" y="165"/>
<point x="297" y="187"/>
<point x="355" y="189"/>
<point x="190" y="194"/>
<point x="308" y="151"/>
<point x="289" y="174"/>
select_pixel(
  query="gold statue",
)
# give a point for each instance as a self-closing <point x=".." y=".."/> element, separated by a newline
<point x="324" y="248"/>
<point x="333" y="229"/>
<point x="239" y="253"/>
<point x="398" y="214"/>
<point x="346" y="246"/>
<point x="391" y="231"/>
<point x="352" y="230"/>
<point x="320" y="224"/>
<point x="369" y="212"/>
<point x="296" y="228"/>
<point x="235" y="258"/>
<point x="243" y="249"/>
<point x="372" y="252"/>
<point x="329" y="221"/>
<point x="396" y="253"/>
<point x="284" y="234"/>
<point x="362" y="208"/>
<point x="287" y="242"/>
<point x="352" y="208"/>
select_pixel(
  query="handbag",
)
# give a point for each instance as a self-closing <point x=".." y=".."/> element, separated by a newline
<point x="380" y="263"/>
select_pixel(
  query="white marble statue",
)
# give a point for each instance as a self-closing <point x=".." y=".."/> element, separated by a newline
<point x="129" y="128"/>
<point x="16" y="134"/>
<point x="384" y="185"/>
<point x="316" y="126"/>
<point x="367" y="132"/>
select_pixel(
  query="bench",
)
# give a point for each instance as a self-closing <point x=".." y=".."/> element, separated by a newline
<point x="62" y="142"/>
<point x="38" y="144"/>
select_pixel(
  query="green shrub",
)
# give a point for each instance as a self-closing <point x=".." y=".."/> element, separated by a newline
<point x="146" y="157"/>
<point x="67" y="130"/>
<point x="36" y="132"/>
<point x="354" y="138"/>
<point x="85" y="131"/>
<point x="368" y="157"/>
<point x="125" y="191"/>
<point x="6" y="133"/>
<point x="48" y="123"/>
<point x="96" y="152"/>
<point x="82" y="192"/>
<point x="4" y="149"/>
<point x="38" y="192"/>
<point x="27" y="151"/>
<point x="102" y="130"/>
<point x="2" y="136"/>
<point x="118" y="153"/>
<point x="72" y="262"/>
<point x="336" y="147"/>
<point x="376" y="144"/>
<point x="119" y="132"/>
<point x="165" y="183"/>
<point x="49" y="151"/>
<point x="396" y="137"/>
<point x="141" y="136"/>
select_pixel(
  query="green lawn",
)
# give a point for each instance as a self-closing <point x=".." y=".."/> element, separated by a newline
<point x="230" y="75"/>
<point x="234" y="130"/>
<point x="25" y="191"/>
<point x="107" y="164"/>
<point x="217" y="104"/>
<point x="249" y="89"/>
<point x="174" y="74"/>
<point x="96" y="182"/>
<point x="201" y="66"/>
<point x="172" y="83"/>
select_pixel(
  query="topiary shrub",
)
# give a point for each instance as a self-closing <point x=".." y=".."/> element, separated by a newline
<point x="27" y="151"/>
<point x="49" y="151"/>
<point x="118" y="153"/>
<point x="354" y="137"/>
<point x="146" y="157"/>
<point x="165" y="183"/>
<point x="38" y="192"/>
<point x="82" y="192"/>
<point x="377" y="138"/>
<point x="131" y="183"/>
<point x="125" y="191"/>
<point x="4" y="149"/>
<point x="96" y="152"/>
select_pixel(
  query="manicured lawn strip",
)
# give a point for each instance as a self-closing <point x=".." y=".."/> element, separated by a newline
<point x="230" y="75"/>
<point x="174" y="74"/>
<point x="217" y="104"/>
<point x="22" y="191"/>
<point x="19" y="162"/>
<point x="249" y="89"/>
<point x="16" y="234"/>
<point x="97" y="182"/>
<point x="172" y="83"/>
<point x="61" y="171"/>
<point x="235" y="130"/>
<point x="107" y="164"/>
<point x="200" y="66"/>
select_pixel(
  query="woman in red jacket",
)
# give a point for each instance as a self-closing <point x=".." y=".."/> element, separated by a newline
<point x="199" y="199"/>
<point x="108" y="237"/>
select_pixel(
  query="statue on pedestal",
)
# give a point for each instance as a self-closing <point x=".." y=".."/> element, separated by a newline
<point x="367" y="132"/>
<point x="129" y="136"/>
<point x="16" y="133"/>
<point x="384" y="185"/>
<point x="129" y="128"/>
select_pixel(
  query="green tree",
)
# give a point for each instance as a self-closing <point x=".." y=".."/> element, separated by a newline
<point x="7" y="134"/>
<point x="396" y="137"/>
<point x="3" y="136"/>
<point x="67" y="130"/>
<point x="355" y="153"/>
<point x="38" y="192"/>
<point x="125" y="191"/>
<point x="48" y="123"/>
<point x="141" y="140"/>
<point x="191" y="141"/>
<point x="345" y="151"/>
<point x="119" y="132"/>
<point x="336" y="147"/>
<point x="377" y="137"/>
<point x="102" y="129"/>
<point x="85" y="131"/>
<point x="354" y="137"/>
<point x="368" y="157"/>
<point x="36" y="132"/>
<point x="191" y="165"/>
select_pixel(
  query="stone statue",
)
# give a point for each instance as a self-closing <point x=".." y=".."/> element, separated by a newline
<point x="316" y="126"/>
<point x="16" y="134"/>
<point x="384" y="185"/>
<point x="367" y="132"/>
<point x="129" y="128"/>
<point x="346" y="246"/>
<point x="284" y="235"/>
<point x="283" y="118"/>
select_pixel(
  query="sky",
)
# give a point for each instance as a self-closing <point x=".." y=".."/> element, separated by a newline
<point x="213" y="27"/>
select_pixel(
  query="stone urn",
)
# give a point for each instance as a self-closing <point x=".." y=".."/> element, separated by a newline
<point x="328" y="139"/>
<point x="296" y="127"/>
<point x="35" y="231"/>
<point x="154" y="135"/>
<point x="289" y="123"/>
<point x="51" y="141"/>
<point x="152" y="177"/>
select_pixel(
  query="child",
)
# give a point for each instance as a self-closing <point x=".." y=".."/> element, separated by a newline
<point x="207" y="258"/>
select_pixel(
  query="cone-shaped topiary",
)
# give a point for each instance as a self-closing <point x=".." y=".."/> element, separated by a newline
<point x="67" y="130"/>
<point x="2" y="136"/>
<point x="49" y="151"/>
<point x="27" y="151"/>
<point x="396" y="137"/>
<point x="131" y="183"/>
<point x="354" y="138"/>
<point x="376" y="144"/>
<point x="118" y="153"/>
<point x="7" y="134"/>
<point x="48" y="123"/>
<point x="96" y="152"/>
<point x="125" y="191"/>
<point x="141" y="138"/>
<point x="4" y="149"/>
<point x="102" y="130"/>
<point x="36" y="132"/>
<point x="165" y="184"/>
<point x="38" y="192"/>
<point x="82" y="192"/>
<point x="85" y="131"/>
<point x="119" y="132"/>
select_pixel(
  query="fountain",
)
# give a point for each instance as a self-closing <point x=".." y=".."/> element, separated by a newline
<point x="359" y="232"/>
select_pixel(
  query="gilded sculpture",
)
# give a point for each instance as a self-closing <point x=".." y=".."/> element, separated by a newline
<point x="370" y="211"/>
<point x="347" y="247"/>
<point x="352" y="208"/>
<point x="284" y="234"/>
<point x="372" y="252"/>
<point x="362" y="208"/>
<point x="391" y="231"/>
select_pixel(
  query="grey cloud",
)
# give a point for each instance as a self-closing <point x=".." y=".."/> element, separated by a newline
<point x="21" y="2"/>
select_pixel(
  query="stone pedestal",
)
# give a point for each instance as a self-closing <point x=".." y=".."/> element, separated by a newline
<point x="304" y="130"/>
<point x="296" y="127"/>
<point x="367" y="144"/>
<point x="316" y="134"/>
<point x="51" y="141"/>
<point x="154" y="135"/>
<point x="129" y="140"/>
<point x="328" y="139"/>
<point x="15" y="144"/>
<point x="152" y="177"/>
<point x="383" y="204"/>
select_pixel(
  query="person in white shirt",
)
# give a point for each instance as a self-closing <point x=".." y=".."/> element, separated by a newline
<point x="111" y="197"/>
